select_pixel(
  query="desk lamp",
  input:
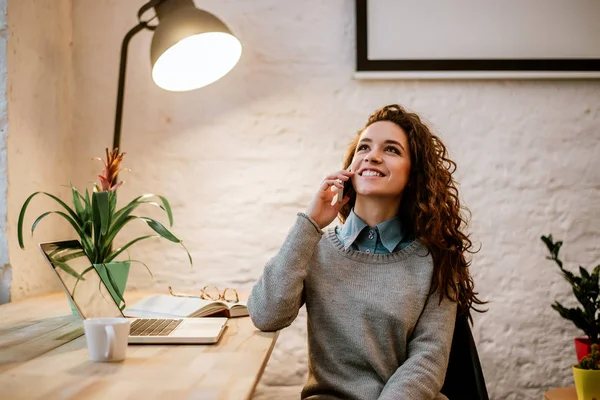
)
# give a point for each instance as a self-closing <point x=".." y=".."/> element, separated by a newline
<point x="190" y="48"/>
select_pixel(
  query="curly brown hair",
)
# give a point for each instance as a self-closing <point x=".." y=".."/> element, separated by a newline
<point x="430" y="207"/>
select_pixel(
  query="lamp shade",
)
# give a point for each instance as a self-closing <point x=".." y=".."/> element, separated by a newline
<point x="191" y="48"/>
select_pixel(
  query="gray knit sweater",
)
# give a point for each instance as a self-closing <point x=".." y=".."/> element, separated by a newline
<point x="373" y="330"/>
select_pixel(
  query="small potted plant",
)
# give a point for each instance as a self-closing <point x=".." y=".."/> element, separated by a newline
<point x="586" y="375"/>
<point x="97" y="222"/>
<point x="586" y="289"/>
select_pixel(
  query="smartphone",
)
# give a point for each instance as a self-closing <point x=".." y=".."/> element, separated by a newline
<point x="340" y="192"/>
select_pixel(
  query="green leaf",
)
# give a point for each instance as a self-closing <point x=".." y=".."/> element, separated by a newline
<point x="69" y="219"/>
<point x="88" y="214"/>
<point x="113" y="202"/>
<point x="115" y="228"/>
<point x="188" y="254"/>
<point x="88" y="246"/>
<point x="103" y="204"/>
<point x="155" y="225"/>
<point x="560" y="264"/>
<point x="39" y="219"/>
<point x="88" y="202"/>
<point x="72" y="213"/>
<point x="118" y="221"/>
<point x="87" y="226"/>
<point x="575" y="315"/>
<point x="160" y="229"/>
<point x="548" y="242"/>
<point x="115" y="287"/>
<point x="584" y="272"/>
<point x="121" y="249"/>
<point x="132" y="205"/>
<point x="96" y="223"/>
<point x="118" y="251"/>
<point x="137" y="261"/>
<point x="167" y="208"/>
<point x="79" y="208"/>
<point x="570" y="277"/>
<point x="556" y="249"/>
<point x="101" y="217"/>
<point x="122" y="217"/>
<point x="128" y="209"/>
<point x="164" y="232"/>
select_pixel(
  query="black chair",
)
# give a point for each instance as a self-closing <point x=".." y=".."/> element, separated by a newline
<point x="464" y="377"/>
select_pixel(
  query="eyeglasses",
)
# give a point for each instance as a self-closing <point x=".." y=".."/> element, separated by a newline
<point x="210" y="292"/>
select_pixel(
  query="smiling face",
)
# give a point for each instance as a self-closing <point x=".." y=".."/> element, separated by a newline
<point x="381" y="161"/>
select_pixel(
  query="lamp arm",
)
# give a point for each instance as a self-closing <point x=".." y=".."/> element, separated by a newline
<point x="121" y="88"/>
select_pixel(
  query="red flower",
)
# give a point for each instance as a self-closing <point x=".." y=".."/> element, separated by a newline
<point x="111" y="169"/>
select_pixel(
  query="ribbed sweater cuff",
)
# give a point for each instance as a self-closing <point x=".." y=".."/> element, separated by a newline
<point x="312" y="221"/>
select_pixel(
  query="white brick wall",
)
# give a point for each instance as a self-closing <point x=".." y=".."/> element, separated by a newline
<point x="239" y="158"/>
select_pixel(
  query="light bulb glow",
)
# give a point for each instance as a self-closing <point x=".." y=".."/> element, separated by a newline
<point x="197" y="61"/>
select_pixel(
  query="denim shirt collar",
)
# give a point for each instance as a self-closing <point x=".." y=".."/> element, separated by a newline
<point x="391" y="232"/>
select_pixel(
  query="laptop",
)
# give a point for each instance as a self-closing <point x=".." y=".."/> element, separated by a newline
<point x="93" y="300"/>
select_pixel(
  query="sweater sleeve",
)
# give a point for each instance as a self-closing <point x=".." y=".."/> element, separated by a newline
<point x="277" y="296"/>
<point x="422" y="375"/>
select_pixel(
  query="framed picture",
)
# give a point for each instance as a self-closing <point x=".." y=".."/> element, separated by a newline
<point x="471" y="39"/>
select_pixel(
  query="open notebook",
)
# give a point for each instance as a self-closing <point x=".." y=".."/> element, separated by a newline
<point x="168" y="306"/>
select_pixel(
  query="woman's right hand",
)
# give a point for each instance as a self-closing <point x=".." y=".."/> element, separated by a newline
<point x="320" y="208"/>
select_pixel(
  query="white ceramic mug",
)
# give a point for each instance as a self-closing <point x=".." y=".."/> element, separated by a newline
<point x="106" y="338"/>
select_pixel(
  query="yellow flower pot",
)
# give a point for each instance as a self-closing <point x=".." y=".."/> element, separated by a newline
<point x="587" y="383"/>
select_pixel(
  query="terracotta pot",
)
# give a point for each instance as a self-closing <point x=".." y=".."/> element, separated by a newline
<point x="587" y="383"/>
<point x="583" y="347"/>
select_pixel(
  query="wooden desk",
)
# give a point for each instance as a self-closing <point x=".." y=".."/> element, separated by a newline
<point x="566" y="393"/>
<point x="43" y="355"/>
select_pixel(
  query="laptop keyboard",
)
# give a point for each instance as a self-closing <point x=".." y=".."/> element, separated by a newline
<point x="153" y="327"/>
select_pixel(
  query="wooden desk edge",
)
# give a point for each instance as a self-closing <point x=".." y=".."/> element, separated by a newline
<point x="263" y="366"/>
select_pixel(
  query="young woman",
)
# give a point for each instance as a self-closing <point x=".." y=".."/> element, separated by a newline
<point x="382" y="290"/>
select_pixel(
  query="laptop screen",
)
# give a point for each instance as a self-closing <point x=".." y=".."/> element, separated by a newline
<point x="89" y="294"/>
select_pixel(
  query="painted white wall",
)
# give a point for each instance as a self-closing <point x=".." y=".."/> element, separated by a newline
<point x="39" y="144"/>
<point x="239" y="158"/>
<point x="5" y="270"/>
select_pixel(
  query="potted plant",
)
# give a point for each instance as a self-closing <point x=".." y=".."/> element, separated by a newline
<point x="586" y="289"/>
<point x="97" y="222"/>
<point x="586" y="375"/>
